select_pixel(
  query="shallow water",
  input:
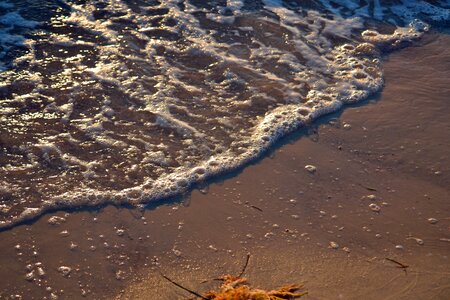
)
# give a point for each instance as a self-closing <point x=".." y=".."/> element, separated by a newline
<point x="131" y="101"/>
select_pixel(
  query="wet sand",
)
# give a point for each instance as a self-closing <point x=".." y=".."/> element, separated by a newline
<point x="392" y="152"/>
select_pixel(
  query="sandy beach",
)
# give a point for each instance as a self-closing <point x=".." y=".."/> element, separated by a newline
<point x="378" y="194"/>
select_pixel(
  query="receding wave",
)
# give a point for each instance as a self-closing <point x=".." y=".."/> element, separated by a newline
<point x="135" y="100"/>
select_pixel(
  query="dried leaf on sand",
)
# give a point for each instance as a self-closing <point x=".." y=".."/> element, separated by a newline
<point x="235" y="288"/>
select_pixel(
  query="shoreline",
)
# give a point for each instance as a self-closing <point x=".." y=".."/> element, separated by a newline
<point x="275" y="125"/>
<point x="370" y="237"/>
<point x="210" y="233"/>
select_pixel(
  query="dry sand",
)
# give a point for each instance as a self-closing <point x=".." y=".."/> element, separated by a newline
<point x="392" y="152"/>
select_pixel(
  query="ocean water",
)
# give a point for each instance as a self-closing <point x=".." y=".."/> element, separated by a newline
<point x="129" y="101"/>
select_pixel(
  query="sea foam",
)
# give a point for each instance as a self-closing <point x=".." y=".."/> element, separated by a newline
<point x="129" y="102"/>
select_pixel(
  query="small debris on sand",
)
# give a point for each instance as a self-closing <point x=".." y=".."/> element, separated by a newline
<point x="64" y="233"/>
<point x="311" y="169"/>
<point x="432" y="220"/>
<point x="374" y="207"/>
<point x="334" y="245"/>
<point x="65" y="271"/>
<point x="55" y="220"/>
<point x="29" y="276"/>
<point x="73" y="246"/>
<point x="418" y="241"/>
<point x="371" y="197"/>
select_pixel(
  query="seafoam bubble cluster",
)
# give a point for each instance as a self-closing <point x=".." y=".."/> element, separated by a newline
<point x="128" y="102"/>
